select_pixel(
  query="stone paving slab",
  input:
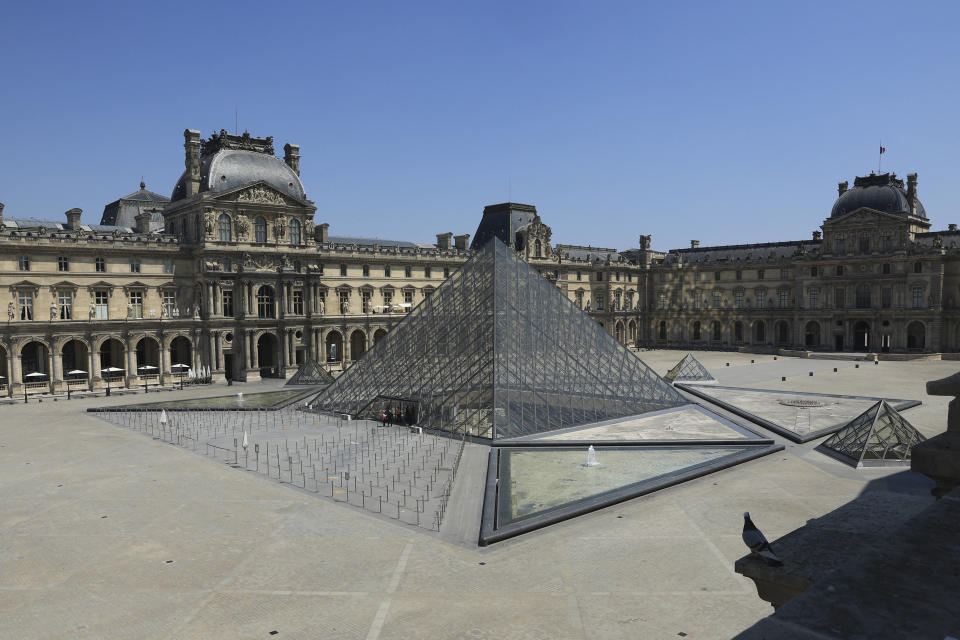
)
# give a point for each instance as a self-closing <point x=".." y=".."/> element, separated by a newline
<point x="251" y="556"/>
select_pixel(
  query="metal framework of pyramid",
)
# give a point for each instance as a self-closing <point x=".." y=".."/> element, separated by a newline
<point x="497" y="351"/>
<point x="690" y="370"/>
<point x="310" y="373"/>
<point x="878" y="436"/>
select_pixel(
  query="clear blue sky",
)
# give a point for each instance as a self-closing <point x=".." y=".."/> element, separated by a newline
<point x="726" y="122"/>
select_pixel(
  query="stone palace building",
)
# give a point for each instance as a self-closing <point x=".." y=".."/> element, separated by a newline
<point x="232" y="274"/>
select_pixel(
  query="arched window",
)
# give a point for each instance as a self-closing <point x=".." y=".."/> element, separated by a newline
<point x="260" y="230"/>
<point x="294" y="232"/>
<point x="663" y="330"/>
<point x="538" y="248"/>
<point x="224" y="229"/>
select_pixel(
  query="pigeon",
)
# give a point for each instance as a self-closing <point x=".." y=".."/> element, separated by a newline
<point x="757" y="542"/>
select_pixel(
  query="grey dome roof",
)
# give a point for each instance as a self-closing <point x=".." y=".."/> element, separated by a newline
<point x="879" y="192"/>
<point x="231" y="168"/>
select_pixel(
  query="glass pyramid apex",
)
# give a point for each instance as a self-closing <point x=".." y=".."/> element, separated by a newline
<point x="689" y="369"/>
<point x="310" y="373"/>
<point x="879" y="435"/>
<point x="497" y="351"/>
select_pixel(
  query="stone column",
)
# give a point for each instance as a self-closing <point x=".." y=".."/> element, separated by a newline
<point x="254" y="356"/>
<point x="56" y="368"/>
<point x="164" y="362"/>
<point x="16" y="369"/>
<point x="212" y="350"/>
<point x="94" y="364"/>
<point x="131" y="359"/>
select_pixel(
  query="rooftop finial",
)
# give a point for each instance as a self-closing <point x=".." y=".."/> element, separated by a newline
<point x="143" y="185"/>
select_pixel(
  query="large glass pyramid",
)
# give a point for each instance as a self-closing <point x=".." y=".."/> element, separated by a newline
<point x="690" y="370"/>
<point x="497" y="351"/>
<point x="877" y="436"/>
<point x="310" y="373"/>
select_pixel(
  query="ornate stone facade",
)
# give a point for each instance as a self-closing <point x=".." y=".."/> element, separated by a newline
<point x="241" y="281"/>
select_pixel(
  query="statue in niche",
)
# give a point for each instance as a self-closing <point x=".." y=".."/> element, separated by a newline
<point x="280" y="227"/>
<point x="10" y="312"/>
<point x="343" y="307"/>
<point x="92" y="312"/>
<point x="53" y="310"/>
<point x="208" y="222"/>
<point x="242" y="226"/>
<point x="321" y="306"/>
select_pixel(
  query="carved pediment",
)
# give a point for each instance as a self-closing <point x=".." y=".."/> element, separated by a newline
<point x="261" y="194"/>
<point x="865" y="216"/>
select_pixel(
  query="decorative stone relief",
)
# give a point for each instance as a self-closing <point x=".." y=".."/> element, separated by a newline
<point x="261" y="194"/>
<point x="242" y="226"/>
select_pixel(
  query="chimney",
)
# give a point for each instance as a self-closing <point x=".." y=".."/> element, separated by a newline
<point x="291" y="155"/>
<point x="443" y="241"/>
<point x="842" y="187"/>
<point x="321" y="233"/>
<point x="694" y="244"/>
<point x="191" y="144"/>
<point x="912" y="192"/>
<point x="461" y="241"/>
<point x="645" y="242"/>
<point x="950" y="227"/>
<point x="73" y="218"/>
<point x="143" y="222"/>
<point x="816" y="235"/>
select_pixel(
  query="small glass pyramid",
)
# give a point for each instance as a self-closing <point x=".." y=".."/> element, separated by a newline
<point x="497" y="351"/>
<point x="878" y="436"/>
<point x="310" y="373"/>
<point x="690" y="370"/>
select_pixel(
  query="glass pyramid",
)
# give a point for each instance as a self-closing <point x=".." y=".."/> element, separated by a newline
<point x="690" y="370"/>
<point x="877" y="436"/>
<point x="310" y="373"/>
<point x="497" y="351"/>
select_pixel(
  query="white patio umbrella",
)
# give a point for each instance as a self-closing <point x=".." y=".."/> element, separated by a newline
<point x="147" y="367"/>
<point x="76" y="372"/>
<point x="111" y="370"/>
<point x="35" y="374"/>
<point x="179" y="366"/>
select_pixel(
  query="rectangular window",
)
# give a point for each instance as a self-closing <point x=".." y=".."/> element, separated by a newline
<point x="101" y="305"/>
<point x="579" y="275"/>
<point x="717" y="300"/>
<point x="864" y="243"/>
<point x="628" y="305"/>
<point x="366" y="271"/>
<point x="917" y="297"/>
<point x="25" y="301"/>
<point x="343" y="270"/>
<point x="446" y="272"/>
<point x="784" y="273"/>
<point x="320" y="269"/>
<point x="886" y="268"/>
<point x="841" y="245"/>
<point x="388" y="300"/>
<point x="696" y="276"/>
<point x="863" y="297"/>
<point x="738" y="299"/>
<point x="408" y="298"/>
<point x="716" y="276"/>
<point x="227" y="266"/>
<point x="739" y="274"/>
<point x="24" y="263"/>
<point x="63" y="263"/>
<point x="344" y="302"/>
<point x="813" y="271"/>
<point x="168" y="266"/>
<point x="407" y="272"/>
<point x="579" y="299"/>
<point x="616" y="301"/>
<point x="298" y="302"/>
<point x="365" y="301"/>
<point x="134" y="265"/>
<point x="227" y="303"/>
<point x="101" y="265"/>
<point x="760" y="274"/>
<point x="814" y="298"/>
<point x="65" y="304"/>
<point x="885" y="297"/>
<point x="661" y="300"/>
<point x="386" y="271"/>
<point x="617" y="274"/>
<point x="427" y="272"/>
<point x="784" y="297"/>
<point x="168" y="302"/>
<point x="838" y="298"/>
<point x="839" y="270"/>
<point x="599" y="276"/>
<point x="599" y="298"/>
<point x="135" y="309"/>
<point x="697" y="299"/>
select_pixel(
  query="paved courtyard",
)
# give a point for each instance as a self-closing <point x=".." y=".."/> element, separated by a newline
<point x="108" y="533"/>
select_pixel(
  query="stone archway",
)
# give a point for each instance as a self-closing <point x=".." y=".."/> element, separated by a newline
<point x="181" y="352"/>
<point x="783" y="332"/>
<point x="268" y="355"/>
<point x="811" y="334"/>
<point x="333" y="347"/>
<point x="148" y="356"/>
<point x="75" y="357"/>
<point x="618" y="329"/>
<point x="34" y="363"/>
<point x="378" y="335"/>
<point x="632" y="332"/>
<point x="861" y="336"/>
<point x="358" y="344"/>
<point x="111" y="353"/>
<point x="759" y="332"/>
<point x="916" y="335"/>
<point x="4" y="372"/>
